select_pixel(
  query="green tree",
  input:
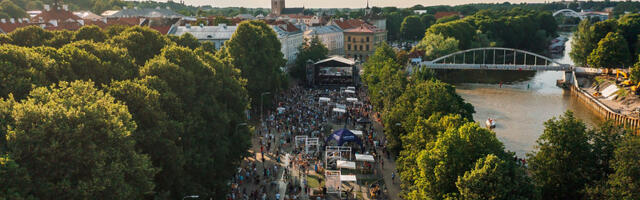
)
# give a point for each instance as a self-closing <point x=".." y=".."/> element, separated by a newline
<point x="447" y="19"/>
<point x="449" y="157"/>
<point x="87" y="130"/>
<point x="612" y="52"/>
<point x="12" y="10"/>
<point x="143" y="43"/>
<point x="624" y="183"/>
<point x="412" y="28"/>
<point x="421" y="100"/>
<point x="99" y="62"/>
<point x="15" y="182"/>
<point x="21" y="68"/>
<point x="629" y="26"/>
<point x="562" y="163"/>
<point x="495" y="178"/>
<point x="436" y="45"/>
<point x="427" y="20"/>
<point x="259" y="66"/>
<point x="93" y="33"/>
<point x="312" y="50"/>
<point x="30" y="36"/>
<point x="461" y="30"/>
<point x="586" y="38"/>
<point x="634" y="73"/>
<point x="187" y="40"/>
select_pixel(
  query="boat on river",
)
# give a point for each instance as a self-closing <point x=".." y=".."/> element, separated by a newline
<point x="490" y="123"/>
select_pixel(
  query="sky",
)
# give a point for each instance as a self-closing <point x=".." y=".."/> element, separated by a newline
<point x="341" y="3"/>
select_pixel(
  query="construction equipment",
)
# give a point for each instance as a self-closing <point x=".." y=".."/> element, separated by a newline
<point x="623" y="82"/>
<point x="597" y="94"/>
<point x="636" y="89"/>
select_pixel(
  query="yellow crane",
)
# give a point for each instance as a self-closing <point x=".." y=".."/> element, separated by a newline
<point x="636" y="89"/>
<point x="624" y="82"/>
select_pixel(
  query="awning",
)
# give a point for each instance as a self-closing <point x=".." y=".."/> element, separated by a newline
<point x="346" y="164"/>
<point x="356" y="132"/>
<point x="339" y="110"/>
<point x="281" y="110"/>
<point x="348" y="178"/>
<point x="351" y="88"/>
<point x="341" y="106"/>
<point x="352" y="99"/>
<point x="365" y="158"/>
<point x="350" y="91"/>
<point x="324" y="99"/>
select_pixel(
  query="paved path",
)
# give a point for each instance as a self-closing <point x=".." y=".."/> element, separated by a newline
<point x="393" y="189"/>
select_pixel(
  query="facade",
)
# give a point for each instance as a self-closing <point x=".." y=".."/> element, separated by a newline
<point x="361" y="42"/>
<point x="291" y="38"/>
<point x="215" y="34"/>
<point x="331" y="36"/>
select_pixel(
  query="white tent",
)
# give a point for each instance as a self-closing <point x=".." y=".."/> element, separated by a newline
<point x="346" y="164"/>
<point x="348" y="178"/>
<point x="339" y="110"/>
<point x="281" y="110"/>
<point x="350" y="91"/>
<point x="324" y="99"/>
<point x="341" y="106"/>
<point x="351" y="88"/>
<point x="365" y="158"/>
<point x="356" y="132"/>
<point x="352" y="99"/>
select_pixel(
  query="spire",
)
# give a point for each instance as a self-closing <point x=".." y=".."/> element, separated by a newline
<point x="367" y="4"/>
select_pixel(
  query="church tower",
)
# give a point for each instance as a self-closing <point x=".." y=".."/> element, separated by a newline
<point x="277" y="6"/>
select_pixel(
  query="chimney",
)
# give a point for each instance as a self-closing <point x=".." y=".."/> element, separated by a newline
<point x="124" y="7"/>
<point x="341" y="19"/>
<point x="12" y="20"/>
<point x="135" y="7"/>
<point x="81" y="22"/>
<point x="3" y="20"/>
<point x="47" y="7"/>
<point x="168" y="8"/>
<point x="19" y="20"/>
<point x="54" y="22"/>
<point x="65" y="7"/>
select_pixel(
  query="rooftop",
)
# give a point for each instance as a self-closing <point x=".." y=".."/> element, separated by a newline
<point x="142" y="12"/>
<point x="317" y="30"/>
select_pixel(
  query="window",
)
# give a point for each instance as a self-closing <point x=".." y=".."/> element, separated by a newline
<point x="360" y="47"/>
<point x="361" y="39"/>
<point x="355" y="47"/>
<point x="349" y="47"/>
<point x="367" y="47"/>
<point x="367" y="38"/>
<point x="349" y="38"/>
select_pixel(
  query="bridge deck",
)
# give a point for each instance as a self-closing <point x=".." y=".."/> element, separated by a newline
<point x="498" y="67"/>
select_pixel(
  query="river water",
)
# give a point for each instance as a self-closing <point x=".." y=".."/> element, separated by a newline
<point x="521" y="107"/>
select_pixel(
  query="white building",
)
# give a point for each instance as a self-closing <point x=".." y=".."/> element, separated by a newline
<point x="215" y="34"/>
<point x="291" y="38"/>
<point x="331" y="36"/>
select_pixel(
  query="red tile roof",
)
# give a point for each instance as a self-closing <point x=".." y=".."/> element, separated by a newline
<point x="349" y="23"/>
<point x="72" y="26"/>
<point x="439" y="15"/>
<point x="8" y="27"/>
<point x="55" y="13"/>
<point x="162" y="29"/>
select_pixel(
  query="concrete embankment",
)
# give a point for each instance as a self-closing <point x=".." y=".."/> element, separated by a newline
<point x="603" y="110"/>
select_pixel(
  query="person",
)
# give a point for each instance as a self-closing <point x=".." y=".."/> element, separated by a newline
<point x="278" y="196"/>
<point x="393" y="177"/>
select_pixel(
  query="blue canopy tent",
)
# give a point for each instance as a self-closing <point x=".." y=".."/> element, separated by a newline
<point x="344" y="135"/>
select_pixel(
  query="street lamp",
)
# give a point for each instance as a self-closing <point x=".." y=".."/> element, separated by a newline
<point x="262" y="103"/>
<point x="238" y="126"/>
<point x="191" y="197"/>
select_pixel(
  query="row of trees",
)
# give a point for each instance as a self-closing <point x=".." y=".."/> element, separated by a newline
<point x="127" y="113"/>
<point x="607" y="44"/>
<point x="444" y="154"/>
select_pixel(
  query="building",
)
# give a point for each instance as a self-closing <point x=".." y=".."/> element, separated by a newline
<point x="88" y="15"/>
<point x="345" y="24"/>
<point x="360" y="42"/>
<point x="291" y="38"/>
<point x="333" y="71"/>
<point x="420" y="12"/>
<point x="215" y="34"/>
<point x="331" y="36"/>
<point x="279" y="8"/>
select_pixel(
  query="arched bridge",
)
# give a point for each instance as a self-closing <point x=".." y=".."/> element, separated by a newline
<point x="570" y="13"/>
<point x="496" y="58"/>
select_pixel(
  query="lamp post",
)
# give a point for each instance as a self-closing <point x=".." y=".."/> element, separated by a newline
<point x="262" y="104"/>
<point x="190" y="197"/>
<point x="238" y="126"/>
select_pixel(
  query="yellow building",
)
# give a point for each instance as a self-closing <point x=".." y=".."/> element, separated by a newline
<point x="360" y="42"/>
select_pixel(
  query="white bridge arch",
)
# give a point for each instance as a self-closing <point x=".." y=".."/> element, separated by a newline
<point x="569" y="12"/>
<point x="496" y="58"/>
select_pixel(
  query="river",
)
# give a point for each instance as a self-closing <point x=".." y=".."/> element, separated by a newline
<point x="522" y="106"/>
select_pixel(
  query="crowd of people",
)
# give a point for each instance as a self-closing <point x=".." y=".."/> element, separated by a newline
<point x="280" y="164"/>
